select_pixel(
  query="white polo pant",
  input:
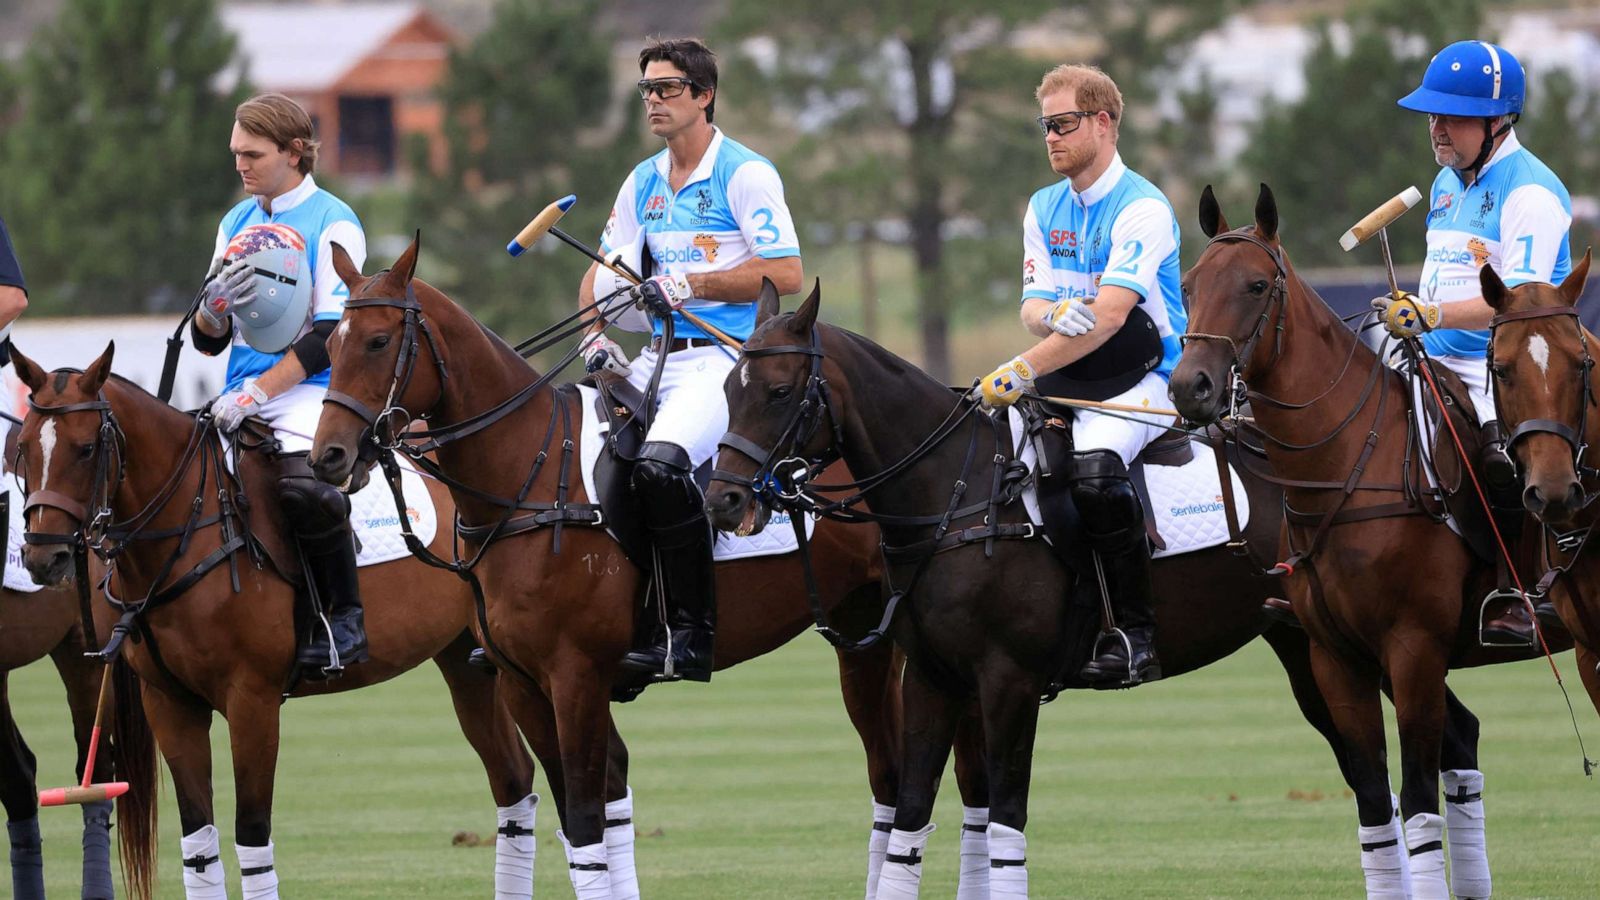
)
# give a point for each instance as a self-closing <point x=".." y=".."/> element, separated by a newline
<point x="1093" y="430"/>
<point x="691" y="410"/>
<point x="293" y="416"/>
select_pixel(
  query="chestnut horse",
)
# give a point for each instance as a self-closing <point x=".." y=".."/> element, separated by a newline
<point x="995" y="625"/>
<point x="1545" y="387"/>
<point x="145" y="482"/>
<point x="33" y="625"/>
<point x="1382" y="588"/>
<point x="560" y="604"/>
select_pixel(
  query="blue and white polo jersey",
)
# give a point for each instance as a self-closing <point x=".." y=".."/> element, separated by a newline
<point x="1515" y="217"/>
<point x="1120" y="231"/>
<point x="322" y="219"/>
<point x="730" y="210"/>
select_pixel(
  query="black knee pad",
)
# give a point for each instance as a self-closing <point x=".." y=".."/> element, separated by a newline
<point x="1103" y="493"/>
<point x="313" y="507"/>
<point x="665" y="485"/>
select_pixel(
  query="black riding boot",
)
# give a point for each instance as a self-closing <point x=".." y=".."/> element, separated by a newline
<point x="1505" y="620"/>
<point x="675" y="516"/>
<point x="319" y="515"/>
<point x="1113" y="523"/>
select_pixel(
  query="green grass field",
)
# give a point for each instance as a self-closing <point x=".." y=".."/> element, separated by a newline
<point x="754" y="786"/>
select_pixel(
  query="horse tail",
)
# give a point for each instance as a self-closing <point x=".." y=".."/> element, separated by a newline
<point x="133" y="754"/>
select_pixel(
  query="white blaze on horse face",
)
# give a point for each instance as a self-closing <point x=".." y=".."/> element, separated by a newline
<point x="47" y="449"/>
<point x="1539" y="352"/>
<point x="744" y="374"/>
<point x="343" y="331"/>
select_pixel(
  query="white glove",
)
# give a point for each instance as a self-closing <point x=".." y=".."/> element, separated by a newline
<point x="231" y="409"/>
<point x="601" y="352"/>
<point x="664" y="295"/>
<point x="235" y="284"/>
<point x="1069" y="318"/>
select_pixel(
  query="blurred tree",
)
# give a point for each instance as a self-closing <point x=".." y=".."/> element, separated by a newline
<point x="115" y="167"/>
<point x="1562" y="127"/>
<point x="525" y="104"/>
<point x="1345" y="147"/>
<point x="920" y="113"/>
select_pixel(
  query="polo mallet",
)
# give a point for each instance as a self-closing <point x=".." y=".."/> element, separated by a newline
<point x="545" y="222"/>
<point x="88" y="792"/>
<point x="1377" y="222"/>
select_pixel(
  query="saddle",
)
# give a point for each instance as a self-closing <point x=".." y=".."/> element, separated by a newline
<point x="1443" y="463"/>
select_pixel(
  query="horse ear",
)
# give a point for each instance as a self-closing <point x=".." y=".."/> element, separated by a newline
<point x="95" y="375"/>
<point x="766" y="301"/>
<point x="806" y="315"/>
<point x="1266" y="215"/>
<point x="346" y="268"/>
<point x="1495" y="292"/>
<point x="28" y="371"/>
<point x="1572" y="285"/>
<point x="1211" y="219"/>
<point x="406" y="266"/>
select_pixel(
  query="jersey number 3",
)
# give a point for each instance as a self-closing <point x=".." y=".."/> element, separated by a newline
<point x="766" y="232"/>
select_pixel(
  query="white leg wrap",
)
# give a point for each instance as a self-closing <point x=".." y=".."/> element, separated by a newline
<point x="974" y="883"/>
<point x="1400" y="835"/>
<point x="619" y="848"/>
<point x="1381" y="856"/>
<point x="877" y="844"/>
<point x="258" y="879"/>
<point x="901" y="877"/>
<point x="1425" y="840"/>
<point x="514" y="847"/>
<point x="1463" y="819"/>
<point x="203" y="877"/>
<point x="591" y="879"/>
<point x="1008" y="863"/>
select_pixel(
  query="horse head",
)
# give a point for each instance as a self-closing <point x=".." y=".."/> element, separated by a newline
<point x="64" y="461"/>
<point x="775" y="412"/>
<point x="379" y="379"/>
<point x="1235" y="295"/>
<point x="1539" y="356"/>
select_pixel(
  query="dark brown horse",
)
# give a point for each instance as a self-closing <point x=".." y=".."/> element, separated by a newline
<point x="560" y="617"/>
<point x="1383" y="588"/>
<point x="32" y="626"/>
<point x="98" y="449"/>
<point x="990" y="626"/>
<point x="1545" y="387"/>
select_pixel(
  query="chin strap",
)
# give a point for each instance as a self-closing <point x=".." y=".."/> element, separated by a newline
<point x="1490" y="135"/>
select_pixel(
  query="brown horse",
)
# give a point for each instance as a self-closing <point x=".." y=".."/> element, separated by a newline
<point x="560" y="606"/>
<point x="33" y="625"/>
<point x="96" y="449"/>
<point x="988" y="616"/>
<point x="1381" y="587"/>
<point x="1545" y="388"/>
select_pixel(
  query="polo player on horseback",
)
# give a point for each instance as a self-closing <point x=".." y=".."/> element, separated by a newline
<point x="273" y="299"/>
<point x="1492" y="203"/>
<point x="707" y="216"/>
<point x="1100" y="285"/>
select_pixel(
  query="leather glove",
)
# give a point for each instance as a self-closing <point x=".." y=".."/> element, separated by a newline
<point x="234" y="285"/>
<point x="601" y="352"/>
<point x="664" y="294"/>
<point x="1407" y="315"/>
<point x="1070" y="317"/>
<point x="1005" y="385"/>
<point x="231" y="409"/>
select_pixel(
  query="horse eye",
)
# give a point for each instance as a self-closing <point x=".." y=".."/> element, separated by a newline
<point x="378" y="343"/>
<point x="780" y="393"/>
<point x="86" y="451"/>
<point x="1258" y="287"/>
<point x="1501" y="373"/>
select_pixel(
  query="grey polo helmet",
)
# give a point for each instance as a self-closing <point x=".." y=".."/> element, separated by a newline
<point x="281" y="308"/>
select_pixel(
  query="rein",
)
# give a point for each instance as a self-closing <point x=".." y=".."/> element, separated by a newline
<point x="783" y="480"/>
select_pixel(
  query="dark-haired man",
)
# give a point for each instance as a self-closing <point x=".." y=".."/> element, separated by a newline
<point x="707" y="217"/>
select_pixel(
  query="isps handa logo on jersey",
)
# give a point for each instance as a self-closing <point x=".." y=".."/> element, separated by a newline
<point x="708" y="245"/>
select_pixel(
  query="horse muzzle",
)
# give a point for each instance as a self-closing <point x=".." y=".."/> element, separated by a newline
<point x="339" y="467"/>
<point x="49" y="565"/>
<point x="1197" y="394"/>
<point x="733" y="507"/>
<point x="1555" y="504"/>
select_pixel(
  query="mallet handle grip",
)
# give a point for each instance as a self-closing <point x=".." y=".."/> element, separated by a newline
<point x="1378" y="219"/>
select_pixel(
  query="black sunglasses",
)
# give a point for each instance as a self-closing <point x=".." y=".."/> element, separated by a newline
<point x="665" y="88"/>
<point x="1065" y="123"/>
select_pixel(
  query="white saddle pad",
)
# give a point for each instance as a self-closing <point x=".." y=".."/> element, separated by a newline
<point x="1187" y="499"/>
<point x="377" y="524"/>
<point x="776" y="538"/>
<point x="17" y="577"/>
